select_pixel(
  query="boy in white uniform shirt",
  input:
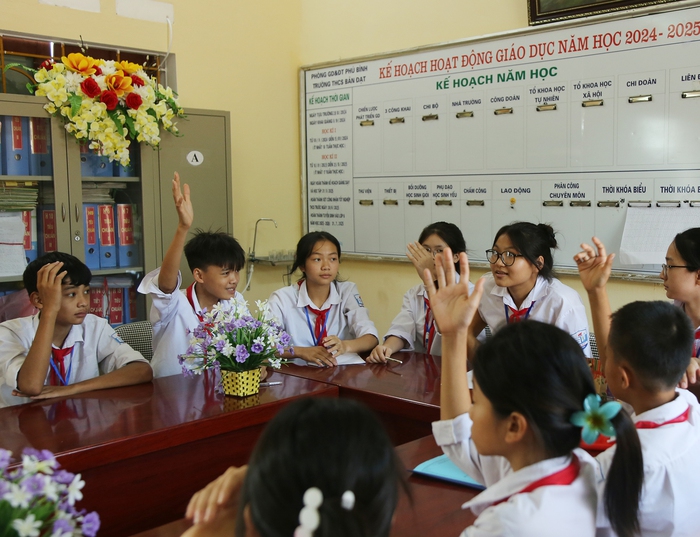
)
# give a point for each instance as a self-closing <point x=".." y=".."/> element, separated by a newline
<point x="215" y="259"/>
<point x="645" y="348"/>
<point x="63" y="350"/>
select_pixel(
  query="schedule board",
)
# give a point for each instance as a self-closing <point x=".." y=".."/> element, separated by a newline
<point x="569" y="126"/>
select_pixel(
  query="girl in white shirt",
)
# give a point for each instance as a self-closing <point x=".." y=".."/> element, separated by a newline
<point x="324" y="317"/>
<point x="522" y="285"/>
<point x="414" y="328"/>
<point x="681" y="276"/>
<point x="519" y="435"/>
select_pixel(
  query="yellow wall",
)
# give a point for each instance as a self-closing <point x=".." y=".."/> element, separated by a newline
<point x="244" y="56"/>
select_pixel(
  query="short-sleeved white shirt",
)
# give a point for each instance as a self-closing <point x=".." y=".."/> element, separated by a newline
<point x="409" y="324"/>
<point x="97" y="350"/>
<point x="670" y="503"/>
<point x="348" y="318"/>
<point x="548" y="511"/>
<point x="173" y="318"/>
<point x="554" y="303"/>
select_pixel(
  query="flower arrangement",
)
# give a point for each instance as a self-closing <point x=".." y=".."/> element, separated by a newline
<point x="36" y="498"/>
<point x="229" y="338"/>
<point x="103" y="101"/>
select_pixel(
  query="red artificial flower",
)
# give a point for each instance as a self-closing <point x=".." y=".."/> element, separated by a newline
<point x="133" y="101"/>
<point x="90" y="87"/>
<point x="110" y="99"/>
<point x="98" y="71"/>
<point x="47" y="64"/>
<point x="137" y="81"/>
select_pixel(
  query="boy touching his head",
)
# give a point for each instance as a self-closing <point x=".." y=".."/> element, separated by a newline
<point x="215" y="259"/>
<point x="645" y="348"/>
<point x="63" y="350"/>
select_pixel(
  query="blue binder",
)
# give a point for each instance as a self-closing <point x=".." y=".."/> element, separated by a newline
<point x="126" y="239"/>
<point x="94" y="165"/>
<point x="15" y="142"/>
<point x="106" y="236"/>
<point x="133" y="169"/>
<point x="90" y="231"/>
<point x="40" y="146"/>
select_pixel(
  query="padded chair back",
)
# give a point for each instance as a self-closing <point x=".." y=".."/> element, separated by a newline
<point x="139" y="336"/>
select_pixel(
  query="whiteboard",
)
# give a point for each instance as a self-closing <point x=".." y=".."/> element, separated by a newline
<point x="570" y="126"/>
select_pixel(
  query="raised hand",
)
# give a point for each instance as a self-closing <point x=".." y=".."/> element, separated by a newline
<point x="183" y="203"/>
<point x="594" y="265"/>
<point x="451" y="303"/>
<point x="420" y="257"/>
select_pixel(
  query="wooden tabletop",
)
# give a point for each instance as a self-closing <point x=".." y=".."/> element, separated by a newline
<point x="406" y="396"/>
<point x="434" y="509"/>
<point x="151" y="445"/>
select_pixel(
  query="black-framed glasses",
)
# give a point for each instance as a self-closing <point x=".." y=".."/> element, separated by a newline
<point x="665" y="267"/>
<point x="507" y="258"/>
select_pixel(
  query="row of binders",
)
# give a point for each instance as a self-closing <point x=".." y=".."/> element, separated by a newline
<point x="109" y="234"/>
<point x="115" y="299"/>
<point x="25" y="149"/>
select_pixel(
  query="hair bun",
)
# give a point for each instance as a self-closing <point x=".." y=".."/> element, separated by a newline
<point x="548" y="231"/>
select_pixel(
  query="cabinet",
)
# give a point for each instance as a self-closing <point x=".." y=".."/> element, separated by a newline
<point x="69" y="181"/>
<point x="87" y="206"/>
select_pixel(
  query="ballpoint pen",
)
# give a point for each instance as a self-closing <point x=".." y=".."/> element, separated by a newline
<point x="264" y="384"/>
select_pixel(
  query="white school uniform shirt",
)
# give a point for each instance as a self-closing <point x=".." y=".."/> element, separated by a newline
<point x="173" y="318"/>
<point x="409" y="324"/>
<point x="554" y="303"/>
<point x="547" y="511"/>
<point x="97" y="350"/>
<point x="670" y="504"/>
<point x="348" y="318"/>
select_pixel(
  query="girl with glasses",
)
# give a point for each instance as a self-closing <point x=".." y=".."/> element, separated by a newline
<point x="522" y="286"/>
<point x="414" y="328"/>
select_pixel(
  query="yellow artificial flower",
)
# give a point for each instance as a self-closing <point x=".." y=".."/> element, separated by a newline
<point x="128" y="67"/>
<point x="119" y="83"/>
<point x="78" y="63"/>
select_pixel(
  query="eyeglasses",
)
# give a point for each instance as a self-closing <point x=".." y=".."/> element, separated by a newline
<point x="437" y="251"/>
<point x="507" y="258"/>
<point x="664" y="268"/>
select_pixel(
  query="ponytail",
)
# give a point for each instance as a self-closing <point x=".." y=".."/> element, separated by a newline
<point x="623" y="486"/>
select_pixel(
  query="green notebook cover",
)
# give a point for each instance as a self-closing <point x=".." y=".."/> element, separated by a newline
<point x="443" y="468"/>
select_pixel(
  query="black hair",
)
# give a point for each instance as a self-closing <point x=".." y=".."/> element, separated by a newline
<point x="656" y="339"/>
<point x="332" y="444"/>
<point x="77" y="272"/>
<point x="533" y="241"/>
<point x="215" y="248"/>
<point x="547" y="383"/>
<point x="449" y="233"/>
<point x="305" y="247"/>
<point x="688" y="246"/>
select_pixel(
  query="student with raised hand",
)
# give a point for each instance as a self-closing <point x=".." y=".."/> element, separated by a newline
<point x="63" y="350"/>
<point x="533" y="392"/>
<point x="645" y="349"/>
<point x="414" y="328"/>
<point x="324" y="317"/>
<point x="323" y="467"/>
<point x="215" y="259"/>
<point x="522" y="286"/>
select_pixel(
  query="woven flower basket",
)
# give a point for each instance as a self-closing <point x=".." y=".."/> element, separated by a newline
<point x="241" y="384"/>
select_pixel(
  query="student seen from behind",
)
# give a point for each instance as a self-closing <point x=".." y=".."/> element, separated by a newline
<point x="215" y="259"/>
<point x="645" y="348"/>
<point x="63" y="350"/>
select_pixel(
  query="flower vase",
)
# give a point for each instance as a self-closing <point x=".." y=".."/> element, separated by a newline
<point x="241" y="384"/>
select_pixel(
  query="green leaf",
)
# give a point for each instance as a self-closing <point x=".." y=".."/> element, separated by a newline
<point x="130" y="125"/>
<point x="11" y="65"/>
<point x="31" y="88"/>
<point x="152" y="113"/>
<point x="75" y="101"/>
<point x="117" y="121"/>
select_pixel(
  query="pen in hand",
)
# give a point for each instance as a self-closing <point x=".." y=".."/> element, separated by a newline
<point x="394" y="360"/>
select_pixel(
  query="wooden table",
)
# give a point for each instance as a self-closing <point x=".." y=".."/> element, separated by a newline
<point x="144" y="450"/>
<point x="435" y="509"/>
<point x="405" y="396"/>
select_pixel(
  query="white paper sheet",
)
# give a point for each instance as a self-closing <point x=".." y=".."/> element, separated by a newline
<point x="649" y="231"/>
<point x="12" y="258"/>
<point x="349" y="358"/>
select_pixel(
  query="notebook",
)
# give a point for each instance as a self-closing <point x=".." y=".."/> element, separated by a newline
<point x="443" y="468"/>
